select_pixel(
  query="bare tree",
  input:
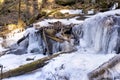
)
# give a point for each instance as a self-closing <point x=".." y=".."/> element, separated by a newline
<point x="19" y="12"/>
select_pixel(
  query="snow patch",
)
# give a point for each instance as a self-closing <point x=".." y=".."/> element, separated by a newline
<point x="14" y="36"/>
<point x="11" y="61"/>
<point x="92" y="11"/>
<point x="45" y="22"/>
<point x="72" y="66"/>
<point x="77" y="11"/>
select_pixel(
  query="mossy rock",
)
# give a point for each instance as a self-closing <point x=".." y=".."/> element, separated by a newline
<point x="65" y="2"/>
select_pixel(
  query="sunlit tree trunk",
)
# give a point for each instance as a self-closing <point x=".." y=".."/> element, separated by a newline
<point x="19" y="12"/>
<point x="1" y="3"/>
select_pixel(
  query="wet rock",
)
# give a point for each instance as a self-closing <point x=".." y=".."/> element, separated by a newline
<point x="29" y="59"/>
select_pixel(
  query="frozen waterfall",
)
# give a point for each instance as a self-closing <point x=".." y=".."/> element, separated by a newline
<point x="101" y="33"/>
<point x="35" y="43"/>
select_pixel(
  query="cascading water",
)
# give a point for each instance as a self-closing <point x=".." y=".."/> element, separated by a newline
<point x="35" y="43"/>
<point x="100" y="33"/>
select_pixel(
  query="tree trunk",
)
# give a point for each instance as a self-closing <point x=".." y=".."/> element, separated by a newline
<point x="30" y="66"/>
<point x="98" y="73"/>
<point x="19" y="12"/>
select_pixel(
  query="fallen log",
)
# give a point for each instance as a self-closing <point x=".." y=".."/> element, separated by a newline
<point x="45" y="40"/>
<point x="30" y="66"/>
<point x="98" y="74"/>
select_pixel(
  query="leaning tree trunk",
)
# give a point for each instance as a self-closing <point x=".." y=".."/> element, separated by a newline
<point x="30" y="66"/>
<point x="98" y="74"/>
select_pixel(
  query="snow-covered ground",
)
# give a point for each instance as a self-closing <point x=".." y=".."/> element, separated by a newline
<point x="11" y="61"/>
<point x="45" y="22"/>
<point x="73" y="66"/>
<point x="14" y="36"/>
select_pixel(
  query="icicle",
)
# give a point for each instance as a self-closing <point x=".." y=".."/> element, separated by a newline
<point x="35" y="41"/>
<point x="100" y="33"/>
